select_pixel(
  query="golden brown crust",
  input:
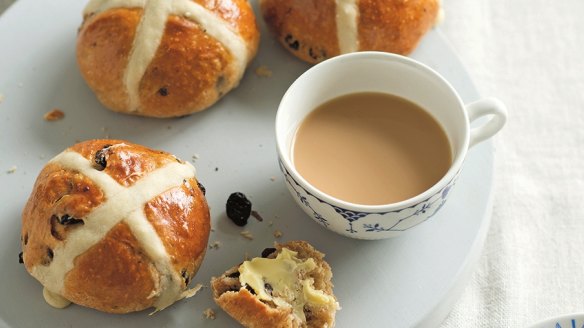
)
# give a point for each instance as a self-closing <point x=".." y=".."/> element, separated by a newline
<point x="121" y="275"/>
<point x="103" y="50"/>
<point x="247" y="309"/>
<point x="114" y="275"/>
<point x="189" y="72"/>
<point x="395" y="26"/>
<point x="307" y="28"/>
<point x="240" y="16"/>
<point x="88" y="148"/>
<point x="125" y="162"/>
<point x="185" y="234"/>
<point x="56" y="193"/>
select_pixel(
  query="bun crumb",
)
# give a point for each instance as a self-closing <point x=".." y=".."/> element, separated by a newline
<point x="54" y="115"/>
<point x="263" y="71"/>
<point x="209" y="314"/>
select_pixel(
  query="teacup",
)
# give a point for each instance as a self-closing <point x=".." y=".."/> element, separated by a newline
<point x="400" y="76"/>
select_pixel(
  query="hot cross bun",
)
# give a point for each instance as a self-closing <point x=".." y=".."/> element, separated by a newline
<point x="165" y="58"/>
<point x="314" y="30"/>
<point x="116" y="227"/>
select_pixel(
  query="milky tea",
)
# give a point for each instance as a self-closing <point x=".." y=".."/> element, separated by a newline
<point x="371" y="148"/>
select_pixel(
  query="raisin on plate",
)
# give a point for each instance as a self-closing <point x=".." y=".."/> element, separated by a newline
<point x="238" y="208"/>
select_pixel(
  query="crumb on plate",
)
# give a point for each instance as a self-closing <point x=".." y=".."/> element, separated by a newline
<point x="278" y="233"/>
<point x="246" y="234"/>
<point x="215" y="245"/>
<point x="209" y="314"/>
<point x="54" y="115"/>
<point x="11" y="170"/>
<point x="263" y="71"/>
<point x="192" y="292"/>
<point x="257" y="216"/>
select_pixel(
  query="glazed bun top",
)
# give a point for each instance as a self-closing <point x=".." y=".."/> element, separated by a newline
<point x="165" y="58"/>
<point x="314" y="30"/>
<point x="115" y="226"/>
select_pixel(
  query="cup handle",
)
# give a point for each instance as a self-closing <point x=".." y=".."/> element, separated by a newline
<point x="480" y="108"/>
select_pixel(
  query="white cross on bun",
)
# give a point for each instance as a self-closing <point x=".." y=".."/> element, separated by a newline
<point x="116" y="227"/>
<point x="314" y="30"/>
<point x="165" y="58"/>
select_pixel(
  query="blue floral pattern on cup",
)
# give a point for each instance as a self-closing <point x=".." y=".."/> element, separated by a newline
<point x="370" y="225"/>
<point x="317" y="217"/>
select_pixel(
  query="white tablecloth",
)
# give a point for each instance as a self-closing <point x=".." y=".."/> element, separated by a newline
<point x="530" y="54"/>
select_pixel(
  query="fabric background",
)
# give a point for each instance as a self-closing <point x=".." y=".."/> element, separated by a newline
<point x="530" y="54"/>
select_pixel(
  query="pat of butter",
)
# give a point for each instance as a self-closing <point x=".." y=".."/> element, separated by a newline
<point x="279" y="280"/>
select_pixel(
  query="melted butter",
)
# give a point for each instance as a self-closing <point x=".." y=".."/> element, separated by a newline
<point x="314" y="296"/>
<point x="55" y="300"/>
<point x="283" y="276"/>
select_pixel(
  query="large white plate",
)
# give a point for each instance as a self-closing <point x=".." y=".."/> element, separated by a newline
<point x="408" y="281"/>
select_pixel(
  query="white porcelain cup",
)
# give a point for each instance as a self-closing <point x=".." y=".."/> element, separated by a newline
<point x="386" y="73"/>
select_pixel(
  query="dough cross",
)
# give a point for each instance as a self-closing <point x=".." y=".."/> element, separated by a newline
<point x="347" y="14"/>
